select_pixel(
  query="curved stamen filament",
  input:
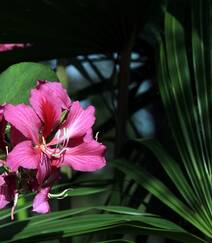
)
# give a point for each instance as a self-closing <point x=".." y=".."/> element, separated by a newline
<point x="14" y="206"/>
<point x="58" y="154"/>
<point x="66" y="137"/>
<point x="63" y="146"/>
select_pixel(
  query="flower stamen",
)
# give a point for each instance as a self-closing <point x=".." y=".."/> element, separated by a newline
<point x="14" y="206"/>
<point x="61" y="147"/>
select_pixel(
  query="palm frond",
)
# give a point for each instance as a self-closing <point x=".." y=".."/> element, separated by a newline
<point x="185" y="86"/>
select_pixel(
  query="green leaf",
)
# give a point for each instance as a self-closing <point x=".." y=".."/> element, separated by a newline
<point x="21" y="209"/>
<point x="179" y="179"/>
<point x="159" y="190"/>
<point x="17" y="80"/>
<point x="185" y="88"/>
<point x="67" y="223"/>
<point x="124" y="210"/>
<point x="84" y="191"/>
<point x="116" y="241"/>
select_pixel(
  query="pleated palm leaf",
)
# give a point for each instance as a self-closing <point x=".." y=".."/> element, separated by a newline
<point x="185" y="83"/>
<point x="186" y="92"/>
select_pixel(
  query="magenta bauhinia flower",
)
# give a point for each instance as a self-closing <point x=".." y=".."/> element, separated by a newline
<point x="50" y="133"/>
<point x="2" y="128"/>
<point x="11" y="46"/>
<point x="40" y="203"/>
<point x="7" y="180"/>
<point x="7" y="188"/>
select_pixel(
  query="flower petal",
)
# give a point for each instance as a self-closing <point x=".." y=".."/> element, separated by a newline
<point x="54" y="176"/>
<point x="2" y="181"/>
<point x="40" y="202"/>
<point x="47" y="108"/>
<point x="7" y="189"/>
<point x="88" y="136"/>
<point x="4" y="196"/>
<point x="44" y="168"/>
<point x="57" y="90"/>
<point x="10" y="46"/>
<point x="78" y="140"/>
<point x="23" y="118"/>
<point x="24" y="155"/>
<point x="2" y="128"/>
<point x="86" y="156"/>
<point x="16" y="136"/>
<point x="77" y="124"/>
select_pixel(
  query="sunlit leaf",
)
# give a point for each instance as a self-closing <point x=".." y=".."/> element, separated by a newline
<point x="18" y="79"/>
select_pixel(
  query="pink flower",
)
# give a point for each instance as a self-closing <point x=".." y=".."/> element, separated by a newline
<point x="11" y="46"/>
<point x="2" y="128"/>
<point x="52" y="132"/>
<point x="40" y="203"/>
<point x="7" y="188"/>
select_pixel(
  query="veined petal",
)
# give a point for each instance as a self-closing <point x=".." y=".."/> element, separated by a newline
<point x="77" y="124"/>
<point x="86" y="156"/>
<point x="57" y="90"/>
<point x="40" y="202"/>
<point x="47" y="108"/>
<point x="44" y="168"/>
<point x="23" y="154"/>
<point x="88" y="136"/>
<point x="78" y="140"/>
<point x="23" y="118"/>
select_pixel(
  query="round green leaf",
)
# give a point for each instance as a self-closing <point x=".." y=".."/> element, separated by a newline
<point x="17" y="80"/>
